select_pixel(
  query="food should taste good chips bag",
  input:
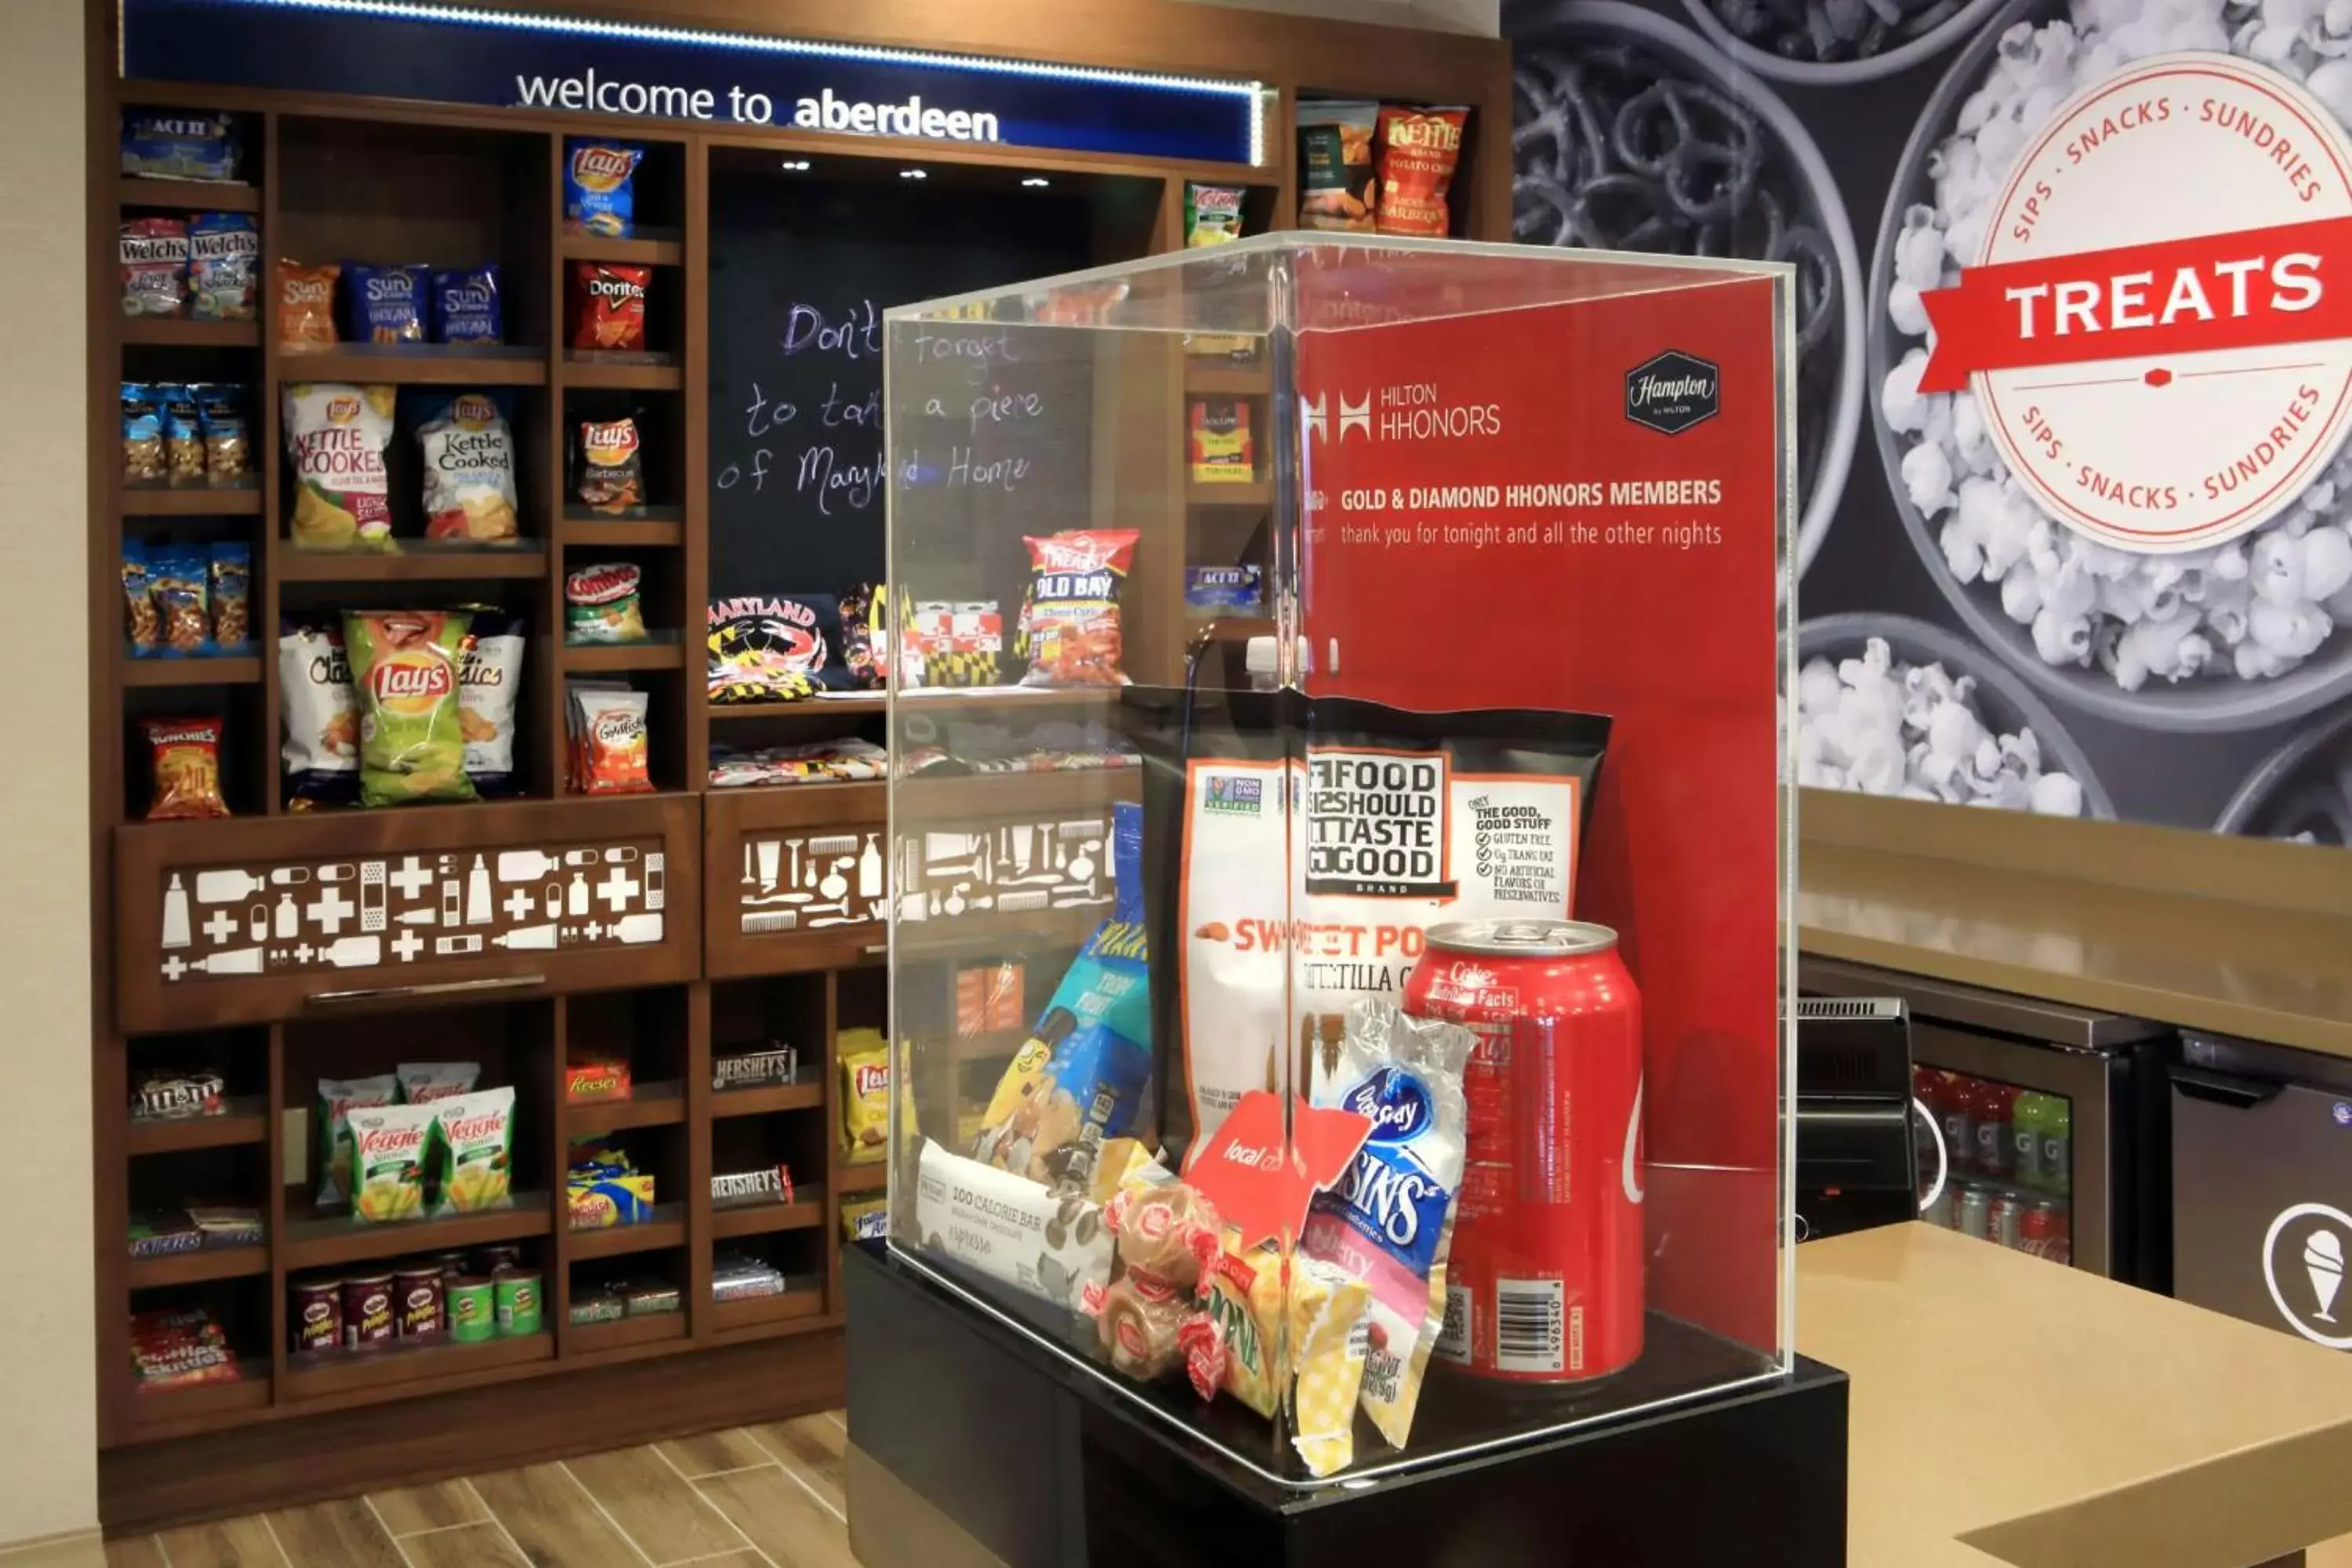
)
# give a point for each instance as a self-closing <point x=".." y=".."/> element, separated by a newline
<point x="473" y="1152"/>
<point x="1391" y="822"/>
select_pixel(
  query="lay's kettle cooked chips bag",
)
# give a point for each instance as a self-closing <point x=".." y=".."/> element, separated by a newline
<point x="405" y="668"/>
<point x="335" y="438"/>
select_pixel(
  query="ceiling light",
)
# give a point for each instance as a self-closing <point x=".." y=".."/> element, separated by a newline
<point x="796" y="165"/>
<point x="1037" y="181"/>
<point x="914" y="175"/>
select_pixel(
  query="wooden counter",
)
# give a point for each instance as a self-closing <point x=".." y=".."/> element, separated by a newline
<point x="2194" y="929"/>
<point x="2007" y="1410"/>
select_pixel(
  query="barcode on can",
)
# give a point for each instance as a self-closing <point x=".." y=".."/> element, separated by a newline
<point x="1530" y="1327"/>
<point x="1453" y="1337"/>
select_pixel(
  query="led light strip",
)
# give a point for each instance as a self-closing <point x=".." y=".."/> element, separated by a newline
<point x="413" y="11"/>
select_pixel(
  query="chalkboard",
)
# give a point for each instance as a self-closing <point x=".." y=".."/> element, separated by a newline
<point x="801" y="272"/>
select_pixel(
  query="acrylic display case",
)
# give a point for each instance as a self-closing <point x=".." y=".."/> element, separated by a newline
<point x="1339" y="833"/>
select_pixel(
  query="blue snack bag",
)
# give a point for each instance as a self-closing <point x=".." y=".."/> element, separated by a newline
<point x="223" y="267"/>
<point x="1080" y="1076"/>
<point x="466" y="306"/>
<point x="387" y="303"/>
<point x="1232" y="590"/>
<point x="182" y="145"/>
<point x="597" y="194"/>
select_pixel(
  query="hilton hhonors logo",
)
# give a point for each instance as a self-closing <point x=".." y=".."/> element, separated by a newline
<point x="1673" y="392"/>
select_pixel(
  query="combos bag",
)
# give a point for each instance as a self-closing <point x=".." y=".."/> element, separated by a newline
<point x="1081" y="1076"/>
<point x="469" y="460"/>
<point x="404" y="669"/>
<point x="1069" y="629"/>
<point x="1401" y="821"/>
<point x="335" y="438"/>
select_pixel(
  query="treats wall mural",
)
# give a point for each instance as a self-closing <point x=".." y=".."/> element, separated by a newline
<point x="2075" y="369"/>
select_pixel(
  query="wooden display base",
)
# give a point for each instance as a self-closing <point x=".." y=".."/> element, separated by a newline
<point x="1022" y="1461"/>
<point x="281" y="1463"/>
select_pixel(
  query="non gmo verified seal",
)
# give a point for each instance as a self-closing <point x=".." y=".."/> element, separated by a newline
<point x="1673" y="392"/>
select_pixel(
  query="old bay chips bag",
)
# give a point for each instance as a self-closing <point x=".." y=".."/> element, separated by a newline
<point x="387" y="1148"/>
<point x="473" y="1151"/>
<point x="405" y="668"/>
<point x="1393" y="1210"/>
<point x="336" y="435"/>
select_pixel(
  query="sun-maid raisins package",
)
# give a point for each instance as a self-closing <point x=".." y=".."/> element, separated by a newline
<point x="1390" y="821"/>
<point x="405" y="668"/>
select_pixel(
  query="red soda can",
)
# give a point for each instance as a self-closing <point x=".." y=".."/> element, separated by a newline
<point x="1545" y="1283"/>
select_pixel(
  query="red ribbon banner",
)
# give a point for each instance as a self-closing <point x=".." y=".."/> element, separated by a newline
<point x="2291" y="284"/>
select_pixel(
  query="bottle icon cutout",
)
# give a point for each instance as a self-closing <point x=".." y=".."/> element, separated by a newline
<point x="2323" y="1261"/>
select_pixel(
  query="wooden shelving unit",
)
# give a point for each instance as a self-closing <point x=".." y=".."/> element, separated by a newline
<point x="330" y="179"/>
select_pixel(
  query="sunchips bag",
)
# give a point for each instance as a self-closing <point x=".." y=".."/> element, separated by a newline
<point x="473" y="1152"/>
<point x="404" y="669"/>
<point x="1080" y="1078"/>
<point x="1391" y="822"/>
<point x="1395" y="1208"/>
<point x="335" y="438"/>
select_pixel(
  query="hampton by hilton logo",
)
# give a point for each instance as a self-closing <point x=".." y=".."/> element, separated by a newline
<point x="1673" y="392"/>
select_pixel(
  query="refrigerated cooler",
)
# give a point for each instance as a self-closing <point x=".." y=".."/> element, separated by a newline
<point x="2039" y="1126"/>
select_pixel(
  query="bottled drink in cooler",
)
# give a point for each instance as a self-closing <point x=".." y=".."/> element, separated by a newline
<point x="2044" y="1232"/>
<point x="1953" y="1103"/>
<point x="2056" y="1163"/>
<point x="2025" y="1121"/>
<point x="1992" y="1102"/>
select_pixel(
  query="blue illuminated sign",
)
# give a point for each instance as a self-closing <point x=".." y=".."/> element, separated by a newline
<point x="506" y="59"/>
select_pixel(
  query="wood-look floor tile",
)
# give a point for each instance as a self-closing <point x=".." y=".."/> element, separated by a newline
<point x="781" y="1518"/>
<point x="342" y="1534"/>
<point x="654" y="1505"/>
<point x="85" y="1552"/>
<point x="407" y="1509"/>
<point x="813" y="1446"/>
<point x="553" y="1519"/>
<point x="134" y="1551"/>
<point x="466" y="1546"/>
<point x="708" y="1453"/>
<point x="231" y="1543"/>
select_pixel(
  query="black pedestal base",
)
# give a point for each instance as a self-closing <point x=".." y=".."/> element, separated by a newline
<point x="975" y="1445"/>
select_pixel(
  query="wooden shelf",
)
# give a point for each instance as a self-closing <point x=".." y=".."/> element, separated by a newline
<point x="721" y="712"/>
<point x="407" y="566"/>
<point x="604" y="657"/>
<point x="658" y="527"/>
<point x="855" y="1181"/>
<point x="204" y="1263"/>
<point x="764" y="1311"/>
<point x="644" y="249"/>
<point x="1212" y="380"/>
<point x="768" y="1101"/>
<point x="154" y="501"/>
<point x="320" y="1375"/>
<point x="624" y="370"/>
<point x="805" y="1210"/>
<point x="417" y="365"/>
<point x="313" y="1240"/>
<point x="188" y="196"/>
<point x="180" y="332"/>
<point x="1229" y="492"/>
<point x="927" y="801"/>
<point x="246" y="1120"/>
<point x="581" y="1340"/>
<point x="665" y="1230"/>
<point x="243" y="670"/>
<point x="658" y="1104"/>
<point x="200" y="1407"/>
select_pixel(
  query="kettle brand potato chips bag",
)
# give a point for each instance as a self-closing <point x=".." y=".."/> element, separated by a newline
<point x="405" y="668"/>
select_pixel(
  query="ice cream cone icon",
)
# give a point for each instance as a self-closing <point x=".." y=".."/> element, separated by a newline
<point x="2323" y="1260"/>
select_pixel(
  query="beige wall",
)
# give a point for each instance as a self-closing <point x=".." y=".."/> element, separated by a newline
<point x="1480" y="16"/>
<point x="49" y="1438"/>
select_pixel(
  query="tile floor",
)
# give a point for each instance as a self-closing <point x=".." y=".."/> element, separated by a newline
<point x="755" y="1497"/>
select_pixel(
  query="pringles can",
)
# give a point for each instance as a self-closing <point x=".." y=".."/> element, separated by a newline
<point x="1545" y="1284"/>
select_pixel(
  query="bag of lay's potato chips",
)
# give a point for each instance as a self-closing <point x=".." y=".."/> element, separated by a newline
<point x="597" y="177"/>
<point x="1391" y="1214"/>
<point x="335" y="438"/>
<point x="405" y="667"/>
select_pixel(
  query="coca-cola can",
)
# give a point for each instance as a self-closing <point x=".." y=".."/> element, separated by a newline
<point x="1545" y="1283"/>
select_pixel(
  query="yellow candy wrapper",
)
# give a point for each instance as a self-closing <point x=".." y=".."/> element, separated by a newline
<point x="1319" y="1332"/>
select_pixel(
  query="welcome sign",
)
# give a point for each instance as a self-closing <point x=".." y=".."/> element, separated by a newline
<point x="511" y="60"/>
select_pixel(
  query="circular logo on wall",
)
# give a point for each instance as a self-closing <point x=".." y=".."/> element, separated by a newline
<point x="2158" y="327"/>
<point x="2305" y="1254"/>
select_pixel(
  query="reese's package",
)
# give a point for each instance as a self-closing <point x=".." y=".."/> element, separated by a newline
<point x="1400" y="821"/>
<point x="1069" y="626"/>
<point x="336" y="436"/>
<point x="404" y="669"/>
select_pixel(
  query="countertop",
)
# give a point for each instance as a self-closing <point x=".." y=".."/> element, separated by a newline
<point x="2236" y="967"/>
<point x="2005" y="1409"/>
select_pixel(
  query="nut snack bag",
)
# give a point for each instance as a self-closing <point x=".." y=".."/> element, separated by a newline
<point x="473" y="1149"/>
<point x="405" y="667"/>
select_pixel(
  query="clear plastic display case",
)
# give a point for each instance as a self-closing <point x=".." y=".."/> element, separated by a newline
<point x="1340" y="833"/>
